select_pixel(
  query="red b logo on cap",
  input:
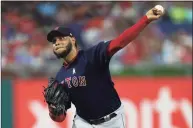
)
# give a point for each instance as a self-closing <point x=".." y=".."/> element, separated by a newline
<point x="56" y="28"/>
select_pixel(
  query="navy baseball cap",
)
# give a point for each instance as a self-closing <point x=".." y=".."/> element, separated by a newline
<point x="59" y="31"/>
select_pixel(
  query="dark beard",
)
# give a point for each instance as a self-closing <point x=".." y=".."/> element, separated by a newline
<point x="65" y="53"/>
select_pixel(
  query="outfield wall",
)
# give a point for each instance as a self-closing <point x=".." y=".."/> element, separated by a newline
<point x="150" y="102"/>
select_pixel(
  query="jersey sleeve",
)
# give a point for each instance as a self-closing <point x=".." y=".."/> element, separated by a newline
<point x="98" y="54"/>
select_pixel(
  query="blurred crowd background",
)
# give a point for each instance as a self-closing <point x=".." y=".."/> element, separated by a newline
<point x="26" y="52"/>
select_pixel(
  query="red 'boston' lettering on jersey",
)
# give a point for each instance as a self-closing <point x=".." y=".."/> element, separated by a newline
<point x="82" y="81"/>
<point x="67" y="80"/>
<point x="75" y="81"/>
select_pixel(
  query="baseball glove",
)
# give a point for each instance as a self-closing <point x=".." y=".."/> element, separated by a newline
<point x="57" y="97"/>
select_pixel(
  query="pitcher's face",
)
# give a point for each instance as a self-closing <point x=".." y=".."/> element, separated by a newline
<point x="62" y="46"/>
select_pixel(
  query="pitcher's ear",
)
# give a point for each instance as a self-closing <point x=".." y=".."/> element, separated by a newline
<point x="73" y="39"/>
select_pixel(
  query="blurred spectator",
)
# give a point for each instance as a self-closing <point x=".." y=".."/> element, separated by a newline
<point x="167" y="41"/>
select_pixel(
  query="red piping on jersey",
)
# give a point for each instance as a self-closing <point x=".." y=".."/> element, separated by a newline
<point x="127" y="36"/>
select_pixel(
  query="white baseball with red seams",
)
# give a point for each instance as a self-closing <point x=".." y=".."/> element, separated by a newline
<point x="159" y="7"/>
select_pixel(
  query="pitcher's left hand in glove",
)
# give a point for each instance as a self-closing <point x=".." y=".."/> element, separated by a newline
<point x="58" y="100"/>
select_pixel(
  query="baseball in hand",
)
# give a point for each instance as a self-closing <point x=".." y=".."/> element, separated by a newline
<point x="160" y="8"/>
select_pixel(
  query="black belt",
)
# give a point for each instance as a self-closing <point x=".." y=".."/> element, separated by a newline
<point x="103" y="119"/>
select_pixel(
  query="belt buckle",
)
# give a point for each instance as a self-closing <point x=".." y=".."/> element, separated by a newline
<point x="107" y="118"/>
